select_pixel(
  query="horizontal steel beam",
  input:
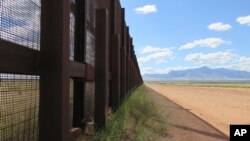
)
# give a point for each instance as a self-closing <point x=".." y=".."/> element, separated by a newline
<point x="18" y="59"/>
<point x="77" y="70"/>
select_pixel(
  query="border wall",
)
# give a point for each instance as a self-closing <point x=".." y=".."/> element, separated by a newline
<point x="62" y="62"/>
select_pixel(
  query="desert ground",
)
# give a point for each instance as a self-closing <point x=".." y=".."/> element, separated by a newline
<point x="218" y="106"/>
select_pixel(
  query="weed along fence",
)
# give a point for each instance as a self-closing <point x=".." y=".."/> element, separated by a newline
<point x="62" y="63"/>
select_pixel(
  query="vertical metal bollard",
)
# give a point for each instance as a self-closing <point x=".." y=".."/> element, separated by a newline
<point x="102" y="67"/>
<point x="115" y="92"/>
<point x="54" y="71"/>
<point x="127" y="62"/>
<point x="123" y="56"/>
<point x="79" y="56"/>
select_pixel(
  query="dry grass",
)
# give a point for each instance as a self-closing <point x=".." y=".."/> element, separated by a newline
<point x="136" y="120"/>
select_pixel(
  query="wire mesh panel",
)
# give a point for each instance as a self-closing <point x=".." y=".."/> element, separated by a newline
<point x="20" y="22"/>
<point x="72" y="29"/>
<point x="19" y="107"/>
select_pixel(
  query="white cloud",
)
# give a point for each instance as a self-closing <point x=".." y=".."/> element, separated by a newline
<point x="243" y="64"/>
<point x="219" y="26"/>
<point x="155" y="53"/>
<point x="150" y="49"/>
<point x="146" y="9"/>
<point x="244" y="61"/>
<point x="225" y="59"/>
<point x="166" y="70"/>
<point x="143" y="59"/>
<point x="239" y="63"/>
<point x="208" y="42"/>
<point x="211" y="58"/>
<point x="221" y="59"/>
<point x="161" y="61"/>
<point x="244" y="20"/>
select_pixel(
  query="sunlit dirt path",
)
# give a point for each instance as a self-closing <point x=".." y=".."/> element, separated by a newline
<point x="219" y="106"/>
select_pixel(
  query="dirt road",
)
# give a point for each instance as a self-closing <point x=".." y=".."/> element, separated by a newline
<point x="219" y="106"/>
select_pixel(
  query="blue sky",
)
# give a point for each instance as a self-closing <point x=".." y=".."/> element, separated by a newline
<point x="181" y="34"/>
<point x="20" y="22"/>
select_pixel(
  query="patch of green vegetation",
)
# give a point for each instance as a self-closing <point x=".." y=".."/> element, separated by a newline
<point x="136" y="120"/>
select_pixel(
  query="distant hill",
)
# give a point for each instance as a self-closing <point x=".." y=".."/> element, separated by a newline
<point x="200" y="74"/>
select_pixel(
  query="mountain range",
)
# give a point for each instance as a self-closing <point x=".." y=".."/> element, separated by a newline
<point x="200" y="74"/>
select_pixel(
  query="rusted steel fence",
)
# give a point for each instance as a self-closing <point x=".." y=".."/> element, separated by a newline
<point x="62" y="62"/>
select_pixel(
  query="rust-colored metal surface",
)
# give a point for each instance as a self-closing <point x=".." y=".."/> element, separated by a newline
<point x="102" y="85"/>
<point x="115" y="89"/>
<point x="90" y="73"/>
<point x="90" y="56"/>
<point x="117" y="17"/>
<point x="17" y="59"/>
<point x="54" y="71"/>
<point x="77" y="70"/>
<point x="123" y="63"/>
